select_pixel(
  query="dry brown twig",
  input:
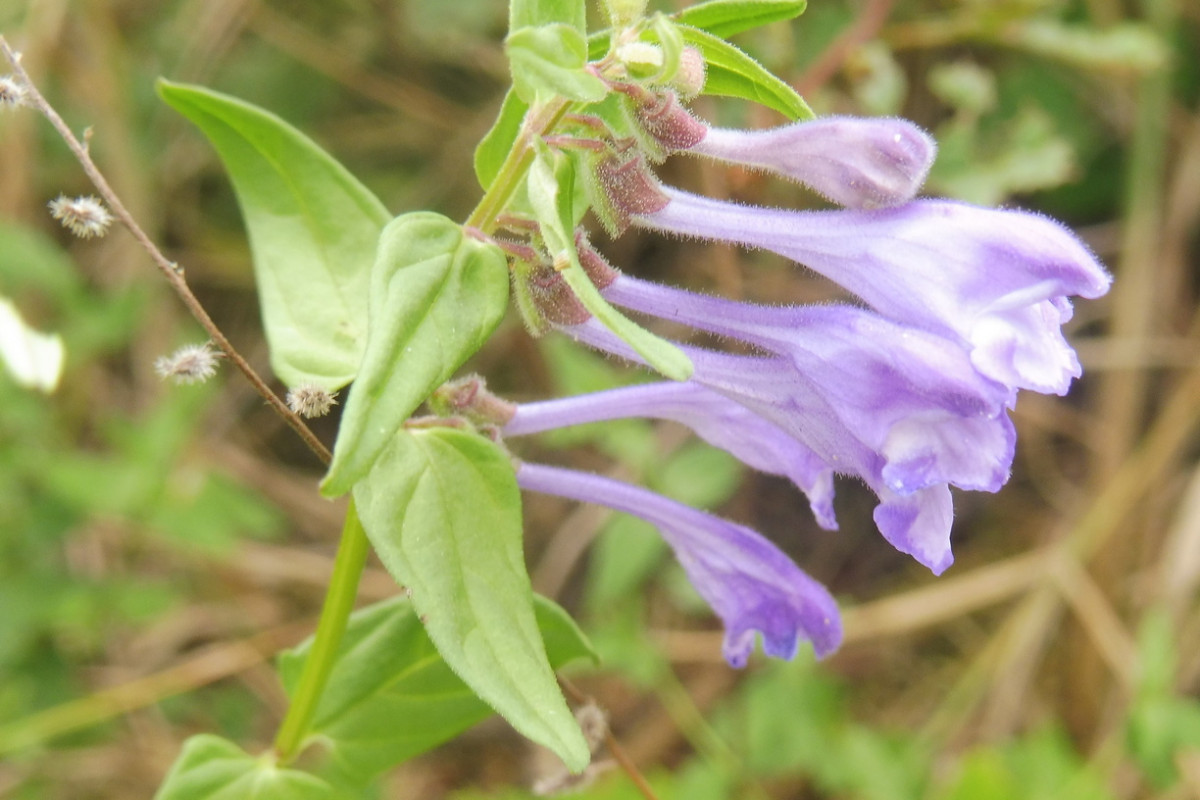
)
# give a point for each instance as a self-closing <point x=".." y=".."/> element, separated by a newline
<point x="172" y="271"/>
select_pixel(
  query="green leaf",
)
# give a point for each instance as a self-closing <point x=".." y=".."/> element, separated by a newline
<point x="442" y="509"/>
<point x="496" y="144"/>
<point x="211" y="768"/>
<point x="313" y="230"/>
<point x="551" y="190"/>
<point x="724" y="18"/>
<point x="732" y="73"/>
<point x="1129" y="47"/>
<point x="436" y="296"/>
<point x="671" y="42"/>
<point x="532" y="13"/>
<point x="549" y="61"/>
<point x="387" y="670"/>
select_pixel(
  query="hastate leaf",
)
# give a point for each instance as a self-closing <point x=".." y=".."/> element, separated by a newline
<point x="442" y="509"/>
<point x="726" y="18"/>
<point x="549" y="61"/>
<point x="436" y="296"/>
<point x="212" y="768"/>
<point x="732" y="73"/>
<point x="391" y="696"/>
<point x="313" y="230"/>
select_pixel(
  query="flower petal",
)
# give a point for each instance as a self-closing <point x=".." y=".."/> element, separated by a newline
<point x="918" y="524"/>
<point x="755" y="441"/>
<point x="751" y="585"/>
<point x="912" y="396"/>
<point x="855" y="162"/>
<point x="997" y="279"/>
<point x="857" y="412"/>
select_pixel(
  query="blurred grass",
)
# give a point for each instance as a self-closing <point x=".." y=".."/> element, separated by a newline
<point x="157" y="545"/>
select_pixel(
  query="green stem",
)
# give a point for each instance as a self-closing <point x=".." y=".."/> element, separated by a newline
<point x="538" y="124"/>
<point x="339" y="602"/>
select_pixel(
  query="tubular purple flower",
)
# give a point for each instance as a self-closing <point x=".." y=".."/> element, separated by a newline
<point x="755" y="441"/>
<point x="912" y="384"/>
<point x="750" y="584"/>
<point x="855" y="162"/>
<point x="999" y="280"/>
<point x="902" y="409"/>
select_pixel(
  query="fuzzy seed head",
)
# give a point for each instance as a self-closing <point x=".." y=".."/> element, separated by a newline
<point x="12" y="92"/>
<point x="309" y="400"/>
<point x="83" y="216"/>
<point x="192" y="363"/>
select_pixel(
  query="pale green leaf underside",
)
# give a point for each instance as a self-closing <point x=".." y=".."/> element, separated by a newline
<point x="436" y="296"/>
<point x="313" y="230"/>
<point x="212" y="768"/>
<point x="442" y="509"/>
<point x="391" y="696"/>
<point x="549" y="61"/>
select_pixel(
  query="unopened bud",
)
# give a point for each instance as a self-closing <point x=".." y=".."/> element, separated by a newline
<point x="641" y="59"/>
<point x="470" y="397"/>
<point x="689" y="80"/>
<point x="857" y="163"/>
<point x="624" y="13"/>
<point x="310" y="400"/>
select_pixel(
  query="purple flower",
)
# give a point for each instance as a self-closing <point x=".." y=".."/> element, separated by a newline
<point x="853" y="161"/>
<point x="999" y="280"/>
<point x="857" y="163"/>
<point x="902" y="409"/>
<point x="750" y="584"/>
<point x="756" y="441"/>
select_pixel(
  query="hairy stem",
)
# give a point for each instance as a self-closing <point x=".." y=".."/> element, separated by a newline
<point x="538" y="123"/>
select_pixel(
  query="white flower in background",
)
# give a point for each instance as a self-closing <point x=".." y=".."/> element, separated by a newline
<point x="33" y="359"/>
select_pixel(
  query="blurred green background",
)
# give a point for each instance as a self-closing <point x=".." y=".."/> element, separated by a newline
<point x="159" y="544"/>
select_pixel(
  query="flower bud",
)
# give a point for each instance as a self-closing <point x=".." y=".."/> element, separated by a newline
<point x="856" y="163"/>
<point x="623" y="13"/>
<point x="689" y="80"/>
<point x="470" y="397"/>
